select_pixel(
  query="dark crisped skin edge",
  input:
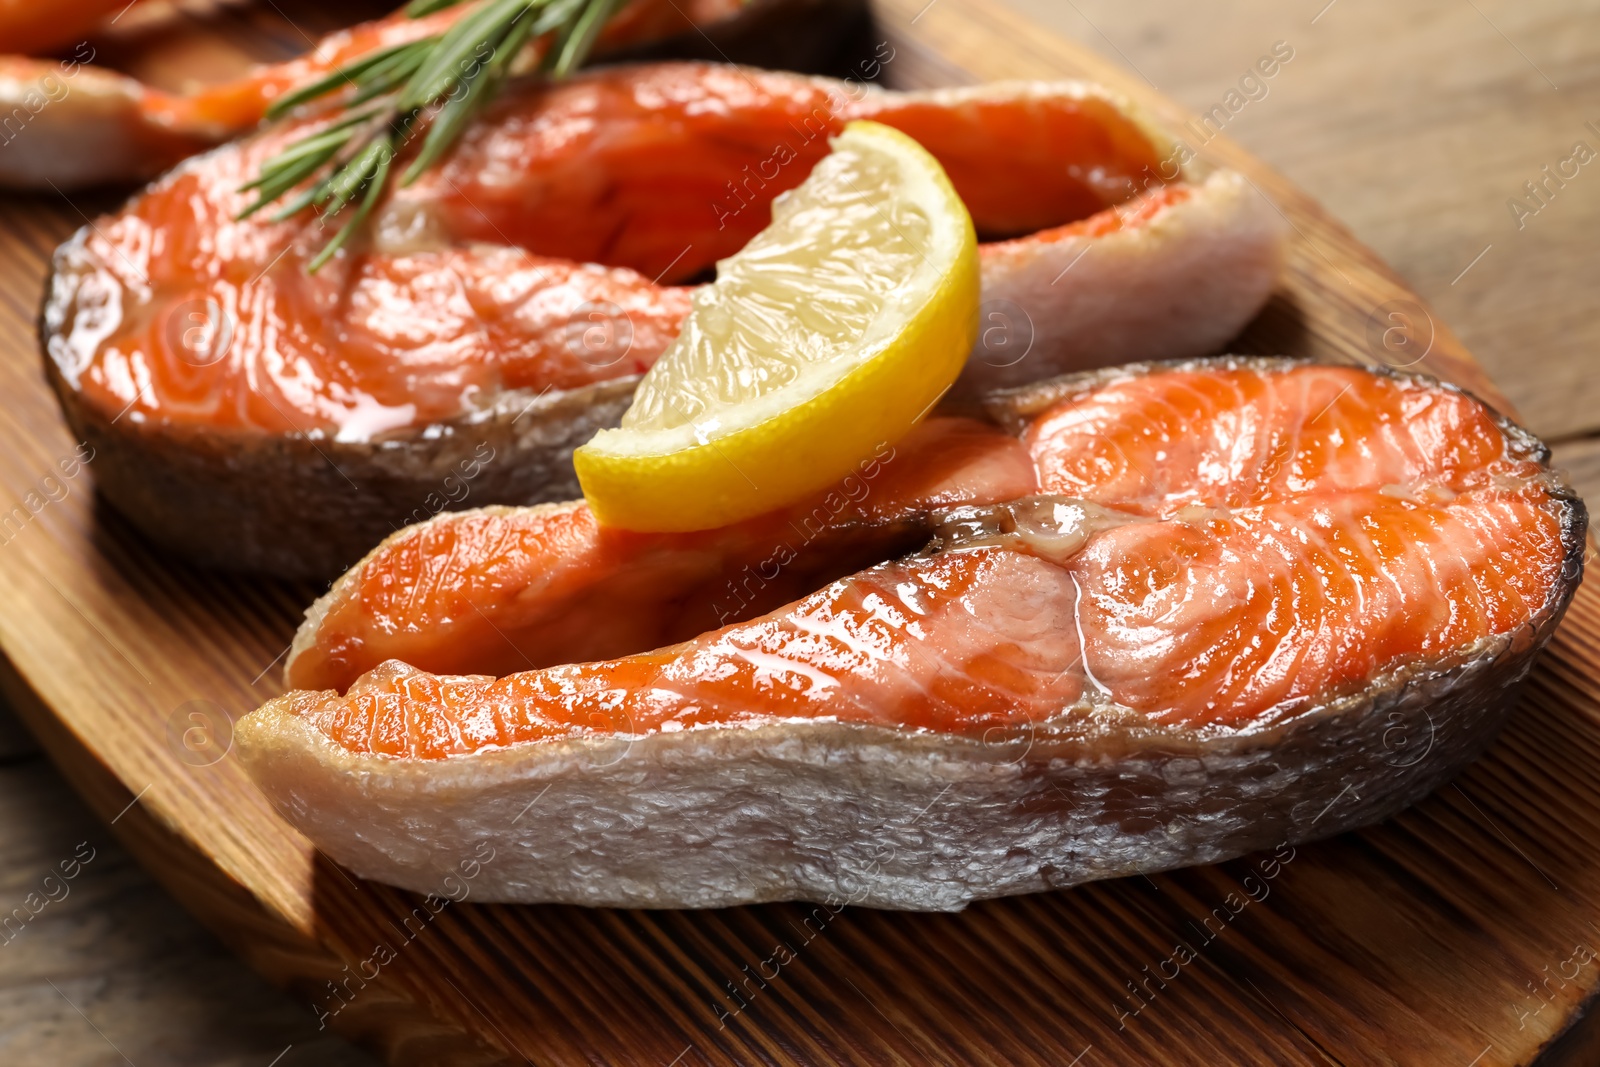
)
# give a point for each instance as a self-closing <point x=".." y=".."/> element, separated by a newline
<point x="1087" y="795"/>
<point x="301" y="506"/>
<point x="298" y="507"/>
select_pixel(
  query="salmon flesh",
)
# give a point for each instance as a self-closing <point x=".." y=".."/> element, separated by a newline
<point x="1148" y="617"/>
<point x="250" y="415"/>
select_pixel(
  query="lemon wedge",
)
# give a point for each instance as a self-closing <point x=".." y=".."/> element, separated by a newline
<point x="828" y="335"/>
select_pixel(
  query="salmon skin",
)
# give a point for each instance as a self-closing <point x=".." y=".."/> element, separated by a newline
<point x="250" y="415"/>
<point x="1159" y="615"/>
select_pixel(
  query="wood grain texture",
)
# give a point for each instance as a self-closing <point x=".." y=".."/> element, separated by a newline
<point x="1459" y="933"/>
<point x="105" y="964"/>
<point x="1416" y="124"/>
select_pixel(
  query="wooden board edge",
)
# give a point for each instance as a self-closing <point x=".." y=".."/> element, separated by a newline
<point x="387" y="1020"/>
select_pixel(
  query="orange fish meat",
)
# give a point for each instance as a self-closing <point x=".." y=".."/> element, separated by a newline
<point x="1158" y="616"/>
<point x="512" y="295"/>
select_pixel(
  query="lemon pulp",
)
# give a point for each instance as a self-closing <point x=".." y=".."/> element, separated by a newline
<point x="827" y="336"/>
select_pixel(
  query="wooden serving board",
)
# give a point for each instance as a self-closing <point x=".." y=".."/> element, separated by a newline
<point x="1465" y="932"/>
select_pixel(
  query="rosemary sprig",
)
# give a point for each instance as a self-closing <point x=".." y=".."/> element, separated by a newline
<point x="438" y="84"/>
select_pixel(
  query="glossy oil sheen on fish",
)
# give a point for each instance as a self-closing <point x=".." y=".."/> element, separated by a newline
<point x="540" y="253"/>
<point x="1210" y="548"/>
<point x="1145" y="618"/>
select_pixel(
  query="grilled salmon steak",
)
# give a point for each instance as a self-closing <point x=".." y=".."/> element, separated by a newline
<point x="1142" y="618"/>
<point x="250" y="414"/>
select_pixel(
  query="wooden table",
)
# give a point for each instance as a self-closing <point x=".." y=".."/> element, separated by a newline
<point x="115" y="968"/>
<point x="1414" y="125"/>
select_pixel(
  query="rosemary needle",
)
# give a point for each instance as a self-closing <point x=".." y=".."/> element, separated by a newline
<point x="436" y="84"/>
